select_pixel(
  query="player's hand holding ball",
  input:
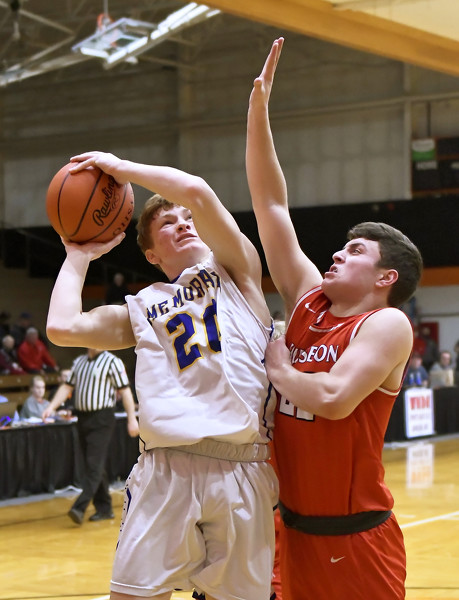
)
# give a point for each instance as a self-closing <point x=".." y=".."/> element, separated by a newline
<point x="107" y="162"/>
<point x="87" y="202"/>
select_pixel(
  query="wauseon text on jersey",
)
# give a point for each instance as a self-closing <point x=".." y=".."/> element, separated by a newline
<point x="323" y="353"/>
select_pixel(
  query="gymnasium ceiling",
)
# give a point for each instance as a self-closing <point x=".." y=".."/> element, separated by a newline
<point x="37" y="36"/>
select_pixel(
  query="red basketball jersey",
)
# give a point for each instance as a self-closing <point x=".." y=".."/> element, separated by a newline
<point x="329" y="467"/>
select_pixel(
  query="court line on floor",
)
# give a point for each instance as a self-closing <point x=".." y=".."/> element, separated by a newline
<point x="430" y="520"/>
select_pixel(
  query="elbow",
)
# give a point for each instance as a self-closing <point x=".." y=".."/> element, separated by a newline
<point x="195" y="192"/>
<point x="334" y="412"/>
<point x="57" y="334"/>
<point x="334" y="407"/>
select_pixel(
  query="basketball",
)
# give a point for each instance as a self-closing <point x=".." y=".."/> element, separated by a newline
<point x="88" y="206"/>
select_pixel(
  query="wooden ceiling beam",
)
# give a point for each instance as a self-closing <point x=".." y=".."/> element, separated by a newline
<point x="367" y="33"/>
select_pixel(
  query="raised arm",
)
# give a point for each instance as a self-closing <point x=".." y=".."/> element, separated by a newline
<point x="292" y="272"/>
<point x="213" y="222"/>
<point x="104" y="327"/>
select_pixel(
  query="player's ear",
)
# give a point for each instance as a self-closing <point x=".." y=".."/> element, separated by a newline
<point x="387" y="277"/>
<point x="151" y="257"/>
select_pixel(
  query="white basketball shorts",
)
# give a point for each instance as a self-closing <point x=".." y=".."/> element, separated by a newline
<point x="195" y="522"/>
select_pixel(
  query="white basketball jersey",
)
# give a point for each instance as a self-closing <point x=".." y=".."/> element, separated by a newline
<point x="200" y="361"/>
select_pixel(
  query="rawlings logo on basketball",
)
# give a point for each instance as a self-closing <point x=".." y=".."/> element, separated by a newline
<point x="89" y="205"/>
<point x="109" y="204"/>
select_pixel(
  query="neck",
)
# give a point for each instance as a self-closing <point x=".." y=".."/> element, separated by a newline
<point x="340" y="308"/>
<point x="175" y="270"/>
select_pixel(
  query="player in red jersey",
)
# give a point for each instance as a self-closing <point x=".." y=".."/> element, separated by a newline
<point x="337" y="372"/>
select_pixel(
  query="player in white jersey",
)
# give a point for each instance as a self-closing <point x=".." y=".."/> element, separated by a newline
<point x="198" y="504"/>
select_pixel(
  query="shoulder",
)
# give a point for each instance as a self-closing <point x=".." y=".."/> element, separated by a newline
<point x="114" y="360"/>
<point x="389" y="324"/>
<point x="391" y="316"/>
<point x="108" y="357"/>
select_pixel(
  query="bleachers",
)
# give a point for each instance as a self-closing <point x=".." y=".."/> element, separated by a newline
<point x="17" y="387"/>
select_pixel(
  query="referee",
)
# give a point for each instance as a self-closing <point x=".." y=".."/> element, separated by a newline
<point x="95" y="380"/>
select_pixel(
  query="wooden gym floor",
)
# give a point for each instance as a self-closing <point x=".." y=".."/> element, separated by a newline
<point x="45" y="556"/>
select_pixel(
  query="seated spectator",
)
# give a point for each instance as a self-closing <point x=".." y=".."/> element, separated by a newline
<point x="33" y="355"/>
<point x="416" y="375"/>
<point x="442" y="372"/>
<point x="36" y="403"/>
<point x="429" y="352"/>
<point x="117" y="290"/>
<point x="9" y="362"/>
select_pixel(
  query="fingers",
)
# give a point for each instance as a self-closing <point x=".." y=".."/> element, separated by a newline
<point x="103" y="247"/>
<point x="93" y="249"/>
<point x="264" y="81"/>
<point x="85" y="156"/>
<point x="85" y="160"/>
<point x="273" y="58"/>
<point x="84" y="164"/>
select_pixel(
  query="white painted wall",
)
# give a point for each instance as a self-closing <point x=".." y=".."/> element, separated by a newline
<point x="441" y="304"/>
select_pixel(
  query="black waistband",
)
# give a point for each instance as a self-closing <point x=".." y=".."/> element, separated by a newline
<point x="343" y="525"/>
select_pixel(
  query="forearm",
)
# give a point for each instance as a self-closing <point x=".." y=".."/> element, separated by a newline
<point x="315" y="393"/>
<point x="65" y="305"/>
<point x="173" y="184"/>
<point x="128" y="402"/>
<point x="129" y="407"/>
<point x="265" y="177"/>
<point x="59" y="398"/>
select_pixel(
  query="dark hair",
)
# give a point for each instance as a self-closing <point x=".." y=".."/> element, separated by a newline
<point x="152" y="206"/>
<point x="397" y="252"/>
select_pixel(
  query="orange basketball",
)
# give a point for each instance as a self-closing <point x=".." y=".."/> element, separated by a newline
<point x="88" y="206"/>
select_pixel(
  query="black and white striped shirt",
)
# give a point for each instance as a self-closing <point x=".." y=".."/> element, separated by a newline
<point x="97" y="380"/>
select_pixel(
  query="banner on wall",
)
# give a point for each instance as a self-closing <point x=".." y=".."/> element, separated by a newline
<point x="419" y="412"/>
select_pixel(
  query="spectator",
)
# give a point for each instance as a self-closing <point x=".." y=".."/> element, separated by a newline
<point x="117" y="290"/>
<point x="33" y="355"/>
<point x="18" y="329"/>
<point x="430" y="348"/>
<point x="442" y="372"/>
<point x="416" y="375"/>
<point x="95" y="379"/>
<point x="9" y="362"/>
<point x="36" y="403"/>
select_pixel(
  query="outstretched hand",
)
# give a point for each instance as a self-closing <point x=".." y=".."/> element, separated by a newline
<point x="263" y="83"/>
<point x="109" y="163"/>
